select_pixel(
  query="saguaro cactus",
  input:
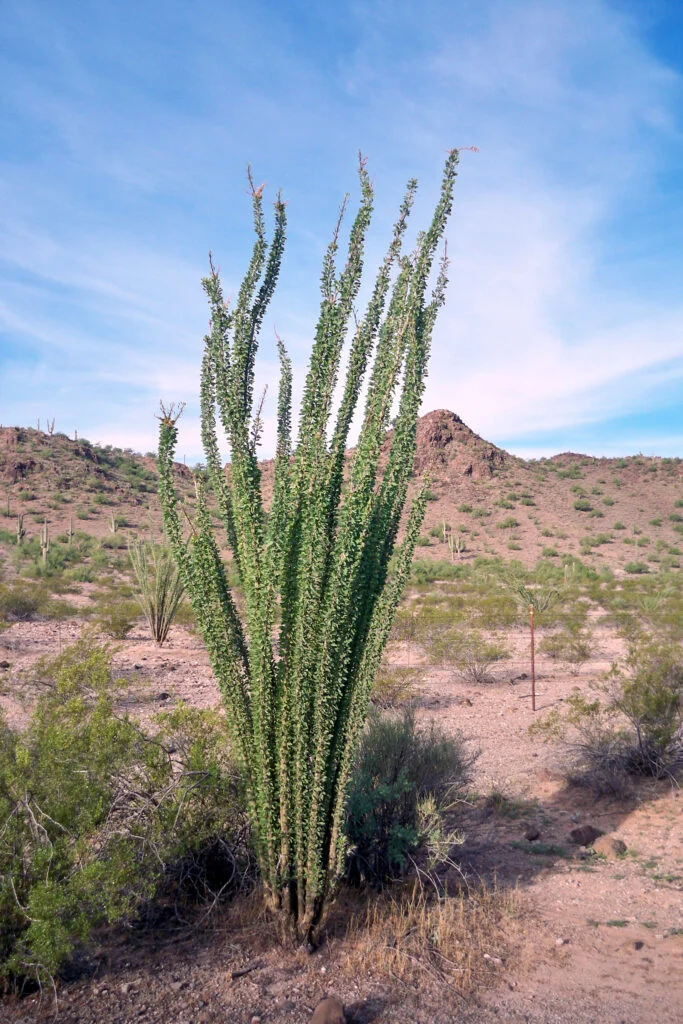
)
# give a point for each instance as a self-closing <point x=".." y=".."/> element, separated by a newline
<point x="45" y="542"/>
<point x="296" y="675"/>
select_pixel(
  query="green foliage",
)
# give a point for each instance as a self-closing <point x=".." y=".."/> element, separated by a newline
<point x="573" y="644"/>
<point x="21" y="601"/>
<point x="509" y="523"/>
<point x="296" y="671"/>
<point x="94" y="814"/>
<point x="403" y="781"/>
<point x="572" y="473"/>
<point x="160" y="586"/>
<point x="636" y="568"/>
<point x="116" y="618"/>
<point x="470" y="651"/>
<point x="632" y="726"/>
<point x="394" y="686"/>
<point x="583" y="505"/>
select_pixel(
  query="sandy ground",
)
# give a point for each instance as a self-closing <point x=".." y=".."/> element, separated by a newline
<point x="604" y="938"/>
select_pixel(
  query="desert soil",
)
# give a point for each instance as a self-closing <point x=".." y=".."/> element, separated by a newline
<point x="601" y="939"/>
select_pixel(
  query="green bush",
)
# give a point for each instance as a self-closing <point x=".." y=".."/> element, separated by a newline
<point x="509" y="523"/>
<point x="21" y="601"/>
<point x="583" y="505"/>
<point x="470" y="651"/>
<point x="95" y="815"/>
<point x="573" y="644"/>
<point x="633" y="726"/>
<point x="394" y="686"/>
<point x="116" y="618"/>
<point x="636" y="568"/>
<point x="404" y="780"/>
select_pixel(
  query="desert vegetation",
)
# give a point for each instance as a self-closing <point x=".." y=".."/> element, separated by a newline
<point x="359" y="744"/>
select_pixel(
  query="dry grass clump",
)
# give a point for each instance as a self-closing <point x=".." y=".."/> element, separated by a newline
<point x="422" y="938"/>
<point x="394" y="686"/>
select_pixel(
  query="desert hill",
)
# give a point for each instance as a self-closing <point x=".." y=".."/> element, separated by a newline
<point x="616" y="512"/>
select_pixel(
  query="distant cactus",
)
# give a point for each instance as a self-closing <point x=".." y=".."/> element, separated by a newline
<point x="45" y="541"/>
<point x="456" y="542"/>
<point x="21" y="532"/>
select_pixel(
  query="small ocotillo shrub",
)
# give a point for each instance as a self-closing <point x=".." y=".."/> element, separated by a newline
<point x="160" y="586"/>
<point x="296" y="670"/>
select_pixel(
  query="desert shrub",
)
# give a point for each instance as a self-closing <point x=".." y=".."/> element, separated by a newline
<point x="394" y="686"/>
<point x="95" y="815"/>
<point x="423" y="571"/>
<point x="636" y="568"/>
<point x="21" y="601"/>
<point x="583" y="505"/>
<point x="403" y="782"/>
<point x="573" y="644"/>
<point x="492" y="610"/>
<point x="470" y="651"/>
<point x="161" y="589"/>
<point x="117" y="618"/>
<point x="114" y="542"/>
<point x="633" y="726"/>
<point x="509" y="523"/>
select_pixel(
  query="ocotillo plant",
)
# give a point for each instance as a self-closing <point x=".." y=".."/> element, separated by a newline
<point x="160" y="586"/>
<point x="319" y="597"/>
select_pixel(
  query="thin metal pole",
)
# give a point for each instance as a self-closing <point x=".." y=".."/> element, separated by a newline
<point x="533" y="664"/>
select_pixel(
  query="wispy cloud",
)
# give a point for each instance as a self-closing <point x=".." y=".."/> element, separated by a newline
<point x="128" y="140"/>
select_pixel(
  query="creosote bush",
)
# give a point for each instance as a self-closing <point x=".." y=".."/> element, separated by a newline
<point x="403" y="782"/>
<point x="296" y="669"/>
<point x="632" y="726"/>
<point x="96" y="816"/>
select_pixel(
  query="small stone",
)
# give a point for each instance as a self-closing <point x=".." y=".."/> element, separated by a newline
<point x="126" y="988"/>
<point x="584" y="835"/>
<point x="329" y="1011"/>
<point x="638" y="944"/>
<point x="255" y="1020"/>
<point x="177" y="986"/>
<point x="163" y="695"/>
<point x="610" y="847"/>
<point x="532" y="833"/>
<point x="561" y="942"/>
<point x="4" y="664"/>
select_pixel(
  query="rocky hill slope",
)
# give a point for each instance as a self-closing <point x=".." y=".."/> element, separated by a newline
<point x="625" y="513"/>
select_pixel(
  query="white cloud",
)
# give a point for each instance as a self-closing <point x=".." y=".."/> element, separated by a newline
<point x="570" y="111"/>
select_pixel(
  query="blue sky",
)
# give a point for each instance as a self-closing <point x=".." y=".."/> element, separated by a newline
<point x="125" y="130"/>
